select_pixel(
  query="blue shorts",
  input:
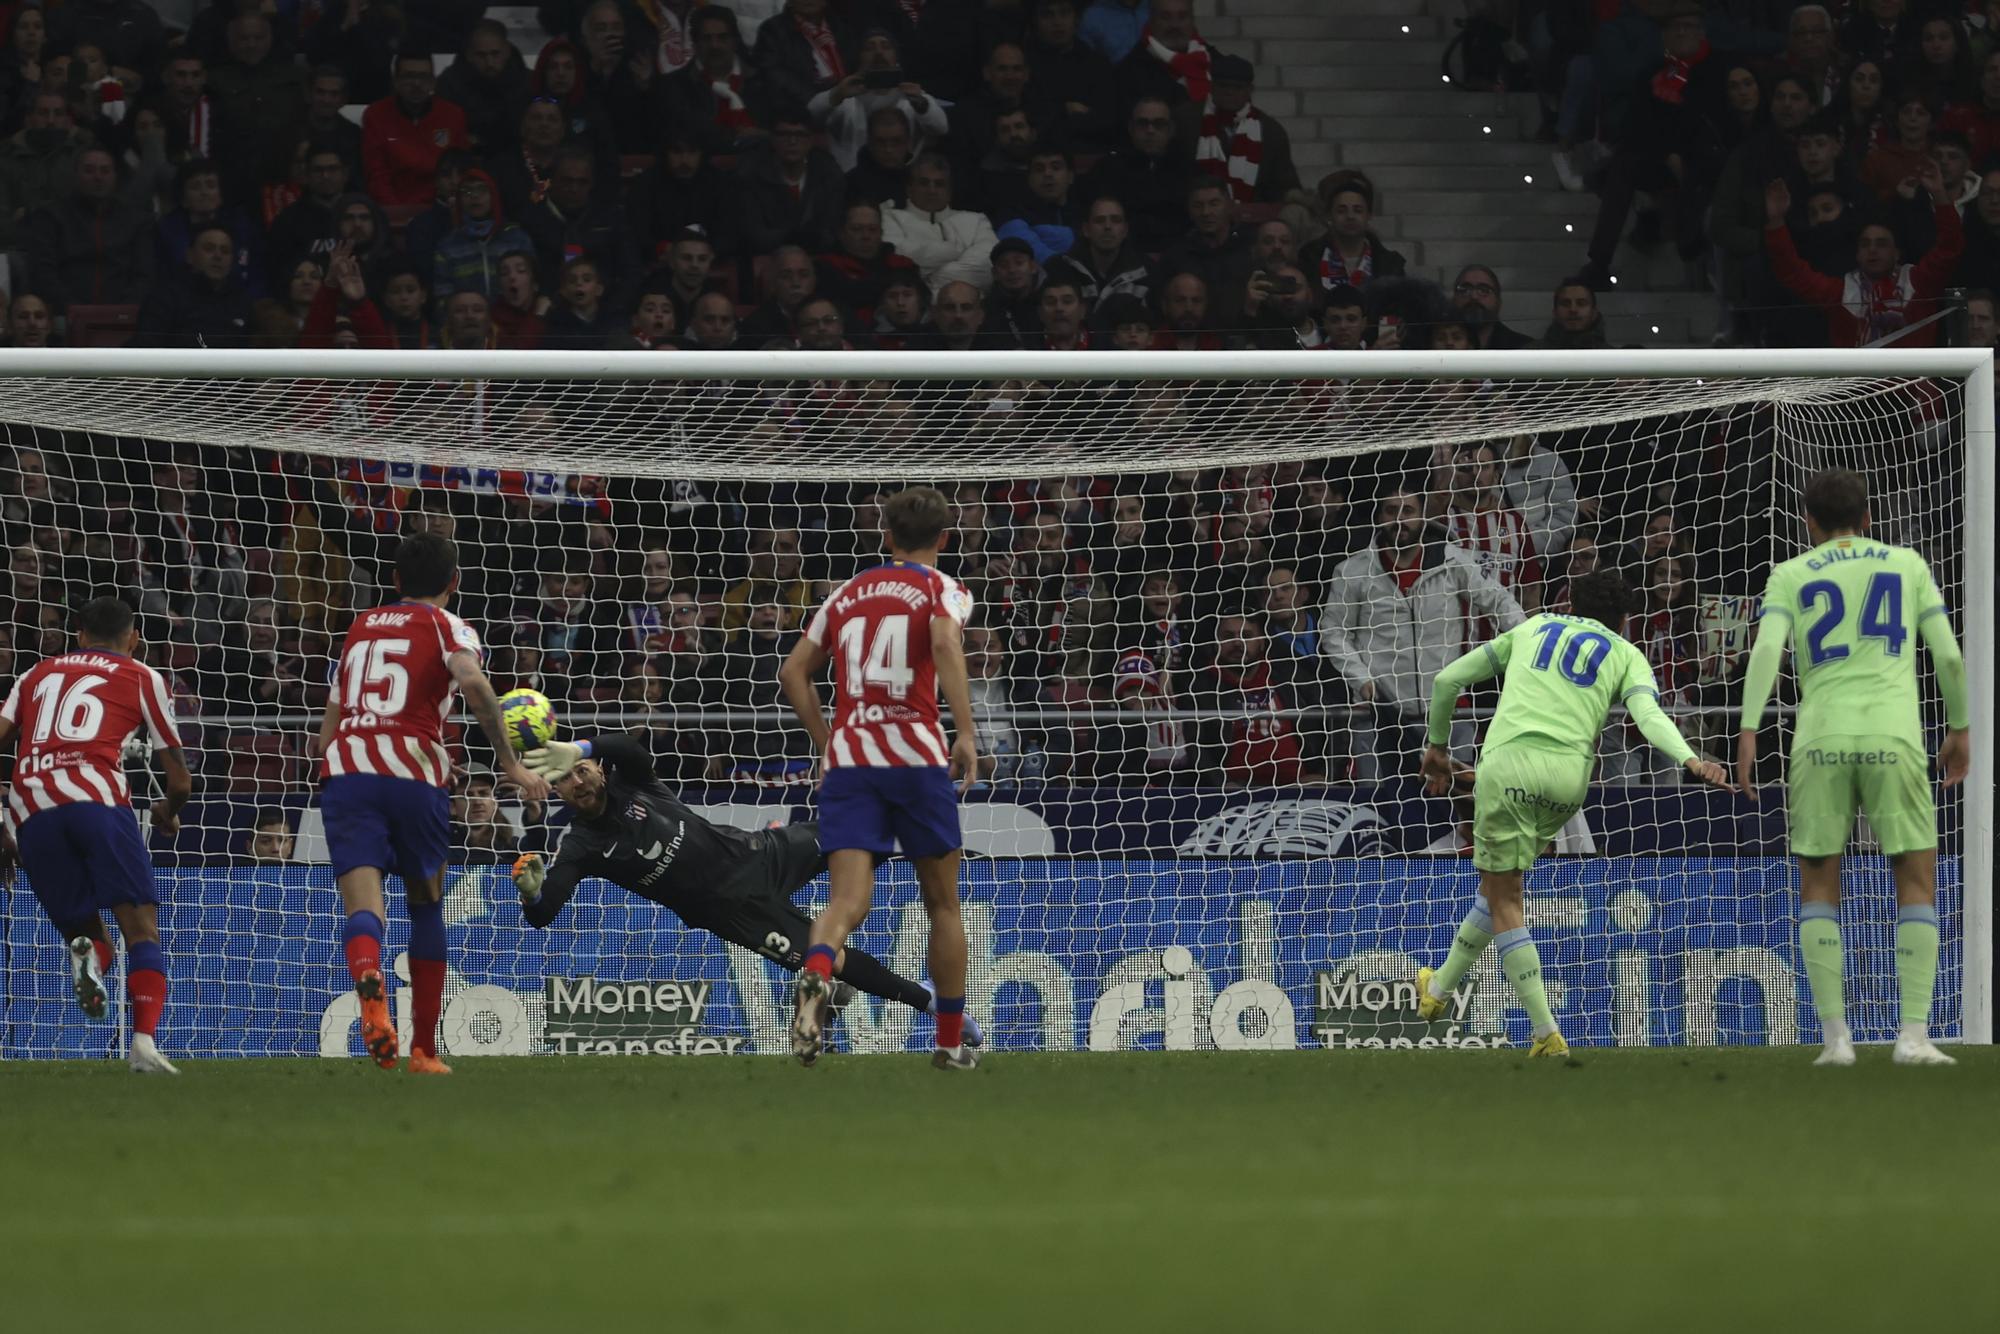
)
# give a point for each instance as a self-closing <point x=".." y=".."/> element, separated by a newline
<point x="83" y="858"/>
<point x="397" y="826"/>
<point x="876" y="809"/>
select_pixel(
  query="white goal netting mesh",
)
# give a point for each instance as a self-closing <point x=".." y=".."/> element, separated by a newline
<point x="1208" y="616"/>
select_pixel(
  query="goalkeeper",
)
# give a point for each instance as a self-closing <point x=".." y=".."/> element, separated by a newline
<point x="737" y="884"/>
<point x="1561" y="675"/>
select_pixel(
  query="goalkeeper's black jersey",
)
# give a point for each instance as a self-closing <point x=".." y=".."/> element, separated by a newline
<point x="645" y="841"/>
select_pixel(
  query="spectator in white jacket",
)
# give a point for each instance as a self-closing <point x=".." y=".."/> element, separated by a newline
<point x="946" y="244"/>
<point x="1537" y="483"/>
<point x="843" y="110"/>
<point x="1397" y="612"/>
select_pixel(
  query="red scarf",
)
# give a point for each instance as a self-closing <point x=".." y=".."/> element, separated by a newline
<point x="730" y="111"/>
<point x="1190" y="67"/>
<point x="826" y="51"/>
<point x="1232" y="152"/>
<point x="1670" y="83"/>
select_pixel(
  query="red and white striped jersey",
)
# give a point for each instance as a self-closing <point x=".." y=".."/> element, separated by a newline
<point x="394" y="687"/>
<point x="1501" y="542"/>
<point x="73" y="715"/>
<point x="877" y="629"/>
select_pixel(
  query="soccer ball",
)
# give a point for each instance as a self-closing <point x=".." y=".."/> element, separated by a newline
<point x="530" y="718"/>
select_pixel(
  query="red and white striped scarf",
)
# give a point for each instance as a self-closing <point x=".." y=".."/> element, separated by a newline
<point x="1190" y="67"/>
<point x="826" y="51"/>
<point x="676" y="42"/>
<point x="730" y="113"/>
<point x="200" y="126"/>
<point x="1236" y="159"/>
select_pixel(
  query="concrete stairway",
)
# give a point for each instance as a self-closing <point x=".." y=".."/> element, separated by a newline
<point x="1459" y="177"/>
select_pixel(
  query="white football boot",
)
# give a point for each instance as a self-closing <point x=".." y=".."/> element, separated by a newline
<point x="87" y="977"/>
<point x="146" y="1059"/>
<point x="1914" y="1047"/>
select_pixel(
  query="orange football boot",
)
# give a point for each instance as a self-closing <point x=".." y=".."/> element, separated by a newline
<point x="378" y="1034"/>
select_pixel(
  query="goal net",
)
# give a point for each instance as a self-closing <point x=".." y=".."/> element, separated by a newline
<point x="1212" y="595"/>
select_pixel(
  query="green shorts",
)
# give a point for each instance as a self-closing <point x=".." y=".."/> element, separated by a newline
<point x="1523" y="795"/>
<point x="1886" y="777"/>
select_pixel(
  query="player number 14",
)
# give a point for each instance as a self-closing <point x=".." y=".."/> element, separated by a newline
<point x="888" y="663"/>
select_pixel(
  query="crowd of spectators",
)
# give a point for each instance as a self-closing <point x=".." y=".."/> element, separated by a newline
<point x="961" y="174"/>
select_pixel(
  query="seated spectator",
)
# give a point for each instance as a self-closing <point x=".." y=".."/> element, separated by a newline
<point x="1102" y="262"/>
<point x="820" y="326"/>
<point x="792" y="192"/>
<point x="775" y="576"/>
<point x="804" y="49"/>
<point x="1112" y="28"/>
<point x="578" y="643"/>
<point x="1736" y="215"/>
<point x="789" y="279"/>
<point x="27" y="45"/>
<point x="203" y="304"/>
<point x="573" y="220"/>
<point x="489" y="82"/>
<point x="1240" y="143"/>
<point x="882" y="173"/>
<point x="1013" y="306"/>
<point x="1149" y="174"/>
<point x="1060" y="307"/>
<point x="1263" y="746"/>
<point x="185" y="107"/>
<point x="93" y="244"/>
<point x="1130" y="322"/>
<point x="689" y="258"/>
<point x="1184" y="310"/>
<point x="1148" y="749"/>
<point x="480" y="836"/>
<point x="946" y="244"/>
<point x="468" y="256"/>
<point x="558" y="73"/>
<point x="579" y="318"/>
<point x="1277" y="307"/>
<point x="322" y="121"/>
<point x="29" y="321"/>
<point x="1047" y="217"/>
<point x="198" y="188"/>
<point x="1000" y="178"/>
<point x="1576" y="322"/>
<point x="853" y="275"/>
<point x="1889" y="165"/>
<point x="715" y="96"/>
<point x="1004" y="91"/>
<point x="1982" y="319"/>
<point x="1882" y="294"/>
<point x="1170" y="63"/>
<point x="1072" y="76"/>
<point x="1980" y="266"/>
<point x="37" y="163"/>
<point x="1978" y="119"/>
<point x="280" y="321"/>
<point x="1214" y="248"/>
<point x="958" y="315"/>
<point x="845" y="109"/>
<point x="713" y="327"/>
<point x="625" y="83"/>
<point x="426" y="229"/>
<point x="1879" y="30"/>
<point x="1953" y="154"/>
<point x="1342" y="324"/>
<point x="1006" y="753"/>
<point x="259" y="95"/>
<point x="1537" y="482"/>
<point x="1351" y="254"/>
<point x="1274" y="242"/>
<point x="309" y="226"/>
<point x="1863" y="111"/>
<point x="467" y="321"/>
<point x="682" y="192"/>
<point x="524" y="171"/>
<point x="403" y="134"/>
<point x="653" y="324"/>
<point x="518" y="306"/>
<point x="1475" y="295"/>
<point x="900" y="313"/>
<point x="270" y="840"/>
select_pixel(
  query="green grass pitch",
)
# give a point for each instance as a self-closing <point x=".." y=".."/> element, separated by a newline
<point x="1628" y="1190"/>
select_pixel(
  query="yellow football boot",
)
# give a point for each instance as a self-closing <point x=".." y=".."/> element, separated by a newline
<point x="1429" y="1007"/>
<point x="1552" y="1045"/>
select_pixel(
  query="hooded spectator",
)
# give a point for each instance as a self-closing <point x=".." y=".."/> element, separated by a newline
<point x="489" y="82"/>
<point x="468" y="256"/>
<point x="403" y="134"/>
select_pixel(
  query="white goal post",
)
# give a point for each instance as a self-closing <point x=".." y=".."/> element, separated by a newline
<point x="1195" y="833"/>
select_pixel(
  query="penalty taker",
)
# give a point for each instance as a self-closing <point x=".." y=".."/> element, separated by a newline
<point x="627" y="828"/>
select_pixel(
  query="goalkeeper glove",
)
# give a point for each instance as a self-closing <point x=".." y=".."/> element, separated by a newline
<point x="555" y="759"/>
<point x="529" y="873"/>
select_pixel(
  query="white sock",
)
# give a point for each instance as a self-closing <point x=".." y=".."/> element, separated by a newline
<point x="1837" y="1031"/>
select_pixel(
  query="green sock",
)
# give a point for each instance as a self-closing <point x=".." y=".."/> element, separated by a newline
<point x="1523" y="967"/>
<point x="1475" y="933"/>
<point x="1916" y="963"/>
<point x="1819" y="946"/>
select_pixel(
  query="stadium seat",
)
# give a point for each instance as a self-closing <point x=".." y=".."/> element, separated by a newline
<point x="102" y="326"/>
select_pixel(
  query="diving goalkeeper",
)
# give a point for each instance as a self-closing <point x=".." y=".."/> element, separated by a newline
<point x="737" y="884"/>
<point x="1561" y="675"/>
